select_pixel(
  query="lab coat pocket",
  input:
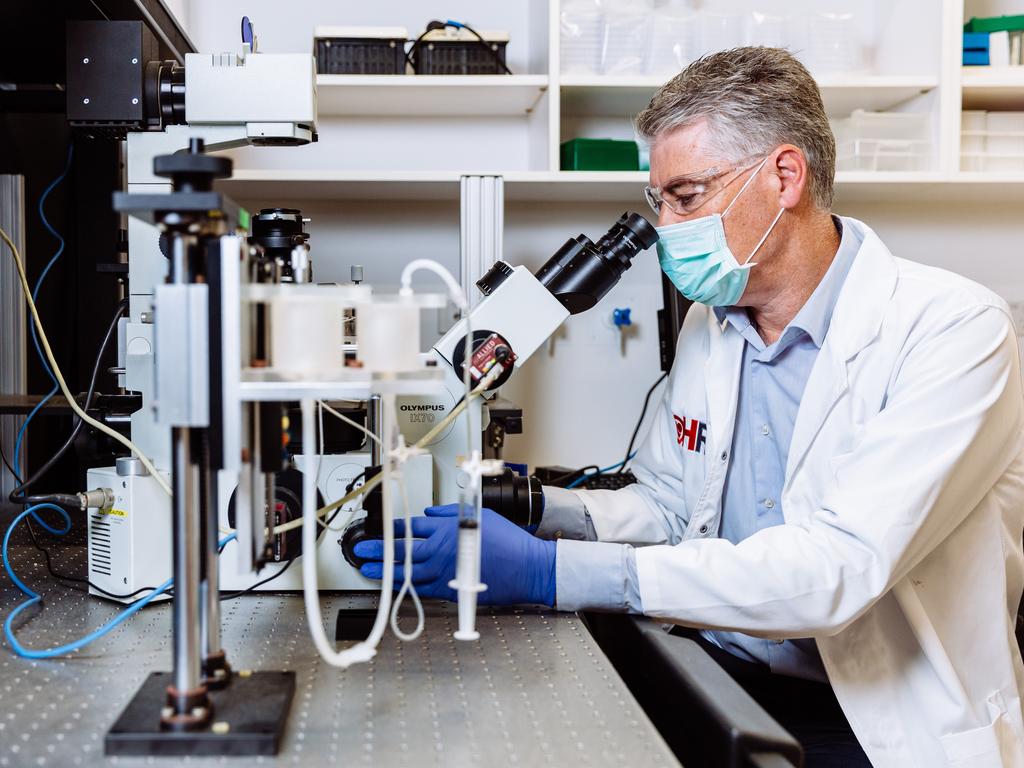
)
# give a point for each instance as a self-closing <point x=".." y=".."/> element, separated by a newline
<point x="976" y="748"/>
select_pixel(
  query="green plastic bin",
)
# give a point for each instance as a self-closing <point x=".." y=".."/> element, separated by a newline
<point x="599" y="155"/>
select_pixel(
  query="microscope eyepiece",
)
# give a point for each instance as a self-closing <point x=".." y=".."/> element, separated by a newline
<point x="582" y="272"/>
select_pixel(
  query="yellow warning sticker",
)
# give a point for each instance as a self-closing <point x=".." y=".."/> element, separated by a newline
<point x="114" y="512"/>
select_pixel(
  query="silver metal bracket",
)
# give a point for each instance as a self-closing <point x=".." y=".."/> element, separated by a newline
<point x="182" y="355"/>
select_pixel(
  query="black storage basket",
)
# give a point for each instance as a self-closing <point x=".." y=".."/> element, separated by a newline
<point x="360" y="56"/>
<point x="460" y="57"/>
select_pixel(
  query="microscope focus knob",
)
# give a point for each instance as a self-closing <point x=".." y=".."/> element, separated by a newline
<point x="499" y="272"/>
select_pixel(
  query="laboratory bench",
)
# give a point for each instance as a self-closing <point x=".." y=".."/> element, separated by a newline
<point x="536" y="689"/>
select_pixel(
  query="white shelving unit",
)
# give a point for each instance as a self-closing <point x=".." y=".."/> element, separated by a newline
<point x="593" y="186"/>
<point x="383" y="183"/>
<point x="993" y="87"/>
<point x="428" y="95"/>
<point x="602" y="95"/>
<point x="513" y="125"/>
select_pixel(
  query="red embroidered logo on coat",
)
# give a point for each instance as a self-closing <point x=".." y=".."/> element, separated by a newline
<point x="691" y="433"/>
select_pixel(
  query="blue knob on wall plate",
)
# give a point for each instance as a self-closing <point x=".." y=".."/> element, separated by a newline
<point x="621" y="317"/>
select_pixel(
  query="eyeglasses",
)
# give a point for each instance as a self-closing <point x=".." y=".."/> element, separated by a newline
<point x="685" y="195"/>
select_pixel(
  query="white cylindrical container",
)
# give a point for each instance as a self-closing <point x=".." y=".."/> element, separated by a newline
<point x="306" y="336"/>
<point x="388" y="336"/>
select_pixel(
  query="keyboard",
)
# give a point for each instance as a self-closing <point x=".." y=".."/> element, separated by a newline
<point x="608" y="482"/>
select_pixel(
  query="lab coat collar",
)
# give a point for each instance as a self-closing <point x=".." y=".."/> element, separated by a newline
<point x="855" y="323"/>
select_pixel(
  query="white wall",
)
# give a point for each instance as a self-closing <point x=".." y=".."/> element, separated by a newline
<point x="288" y="27"/>
<point x="582" y="402"/>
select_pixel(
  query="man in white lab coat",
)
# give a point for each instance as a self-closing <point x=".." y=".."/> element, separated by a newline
<point x="832" y="490"/>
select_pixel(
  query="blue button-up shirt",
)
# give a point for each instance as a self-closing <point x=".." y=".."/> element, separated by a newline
<point x="772" y="380"/>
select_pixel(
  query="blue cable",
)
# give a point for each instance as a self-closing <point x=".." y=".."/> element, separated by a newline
<point x="53" y="259"/>
<point x="35" y="297"/>
<point x="34" y="597"/>
<point x="601" y="471"/>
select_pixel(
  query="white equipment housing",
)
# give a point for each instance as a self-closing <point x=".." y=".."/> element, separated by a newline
<point x="129" y="543"/>
<point x="334" y="572"/>
<point x="228" y="89"/>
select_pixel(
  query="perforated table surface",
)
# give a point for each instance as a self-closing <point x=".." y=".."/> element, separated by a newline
<point x="534" y="690"/>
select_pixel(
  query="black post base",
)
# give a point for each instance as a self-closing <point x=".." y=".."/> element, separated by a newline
<point x="249" y="716"/>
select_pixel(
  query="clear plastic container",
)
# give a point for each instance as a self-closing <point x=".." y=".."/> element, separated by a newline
<point x="581" y="24"/>
<point x="627" y="38"/>
<point x="1005" y="133"/>
<point x="992" y="142"/>
<point x="769" y="30"/>
<point x="884" y="155"/>
<point x="831" y="43"/>
<point x="972" y="141"/>
<point x="674" y="41"/>
<point x="884" y="141"/>
<point x="720" y="32"/>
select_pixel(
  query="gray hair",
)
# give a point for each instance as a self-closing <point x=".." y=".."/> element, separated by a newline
<point x="754" y="99"/>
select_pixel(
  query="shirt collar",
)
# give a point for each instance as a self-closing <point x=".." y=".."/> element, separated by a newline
<point x="815" y="315"/>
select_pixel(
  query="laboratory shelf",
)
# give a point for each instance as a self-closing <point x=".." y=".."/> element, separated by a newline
<point x="425" y="95"/>
<point x="625" y="187"/>
<point x="268" y="185"/>
<point x="993" y="87"/>
<point x="611" y="96"/>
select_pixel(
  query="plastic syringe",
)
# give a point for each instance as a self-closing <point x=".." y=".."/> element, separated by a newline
<point x="467" y="563"/>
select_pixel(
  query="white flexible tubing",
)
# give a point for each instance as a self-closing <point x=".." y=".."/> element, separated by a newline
<point x="407" y="585"/>
<point x="454" y="289"/>
<point x="365" y="650"/>
<point x="458" y="297"/>
<point x="60" y="377"/>
<point x="373" y="482"/>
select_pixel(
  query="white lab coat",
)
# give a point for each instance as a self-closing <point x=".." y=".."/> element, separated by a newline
<point x="904" y="507"/>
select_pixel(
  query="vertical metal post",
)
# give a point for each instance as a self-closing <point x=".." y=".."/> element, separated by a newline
<point x="374" y="423"/>
<point x="215" y="667"/>
<point x="186" y="563"/>
<point x="188" y="704"/>
<point x="12" y="319"/>
<point x="482" y="203"/>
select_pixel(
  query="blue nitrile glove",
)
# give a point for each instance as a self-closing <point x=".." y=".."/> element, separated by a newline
<point x="516" y="567"/>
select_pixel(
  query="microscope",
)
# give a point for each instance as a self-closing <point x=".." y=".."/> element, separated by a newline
<point x="226" y="334"/>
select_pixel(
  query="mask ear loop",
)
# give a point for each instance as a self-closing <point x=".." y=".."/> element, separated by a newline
<point x="760" y="242"/>
<point x="744" y="187"/>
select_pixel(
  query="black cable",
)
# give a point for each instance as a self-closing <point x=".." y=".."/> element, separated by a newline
<point x="65" y="577"/>
<point x="14" y="497"/>
<point x="348" y="489"/>
<point x="114" y="595"/>
<point x="636" y="430"/>
<point x="258" y="584"/>
<point x="487" y="45"/>
<point x="574" y="475"/>
<point x="431" y="26"/>
<point x="14" y="474"/>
